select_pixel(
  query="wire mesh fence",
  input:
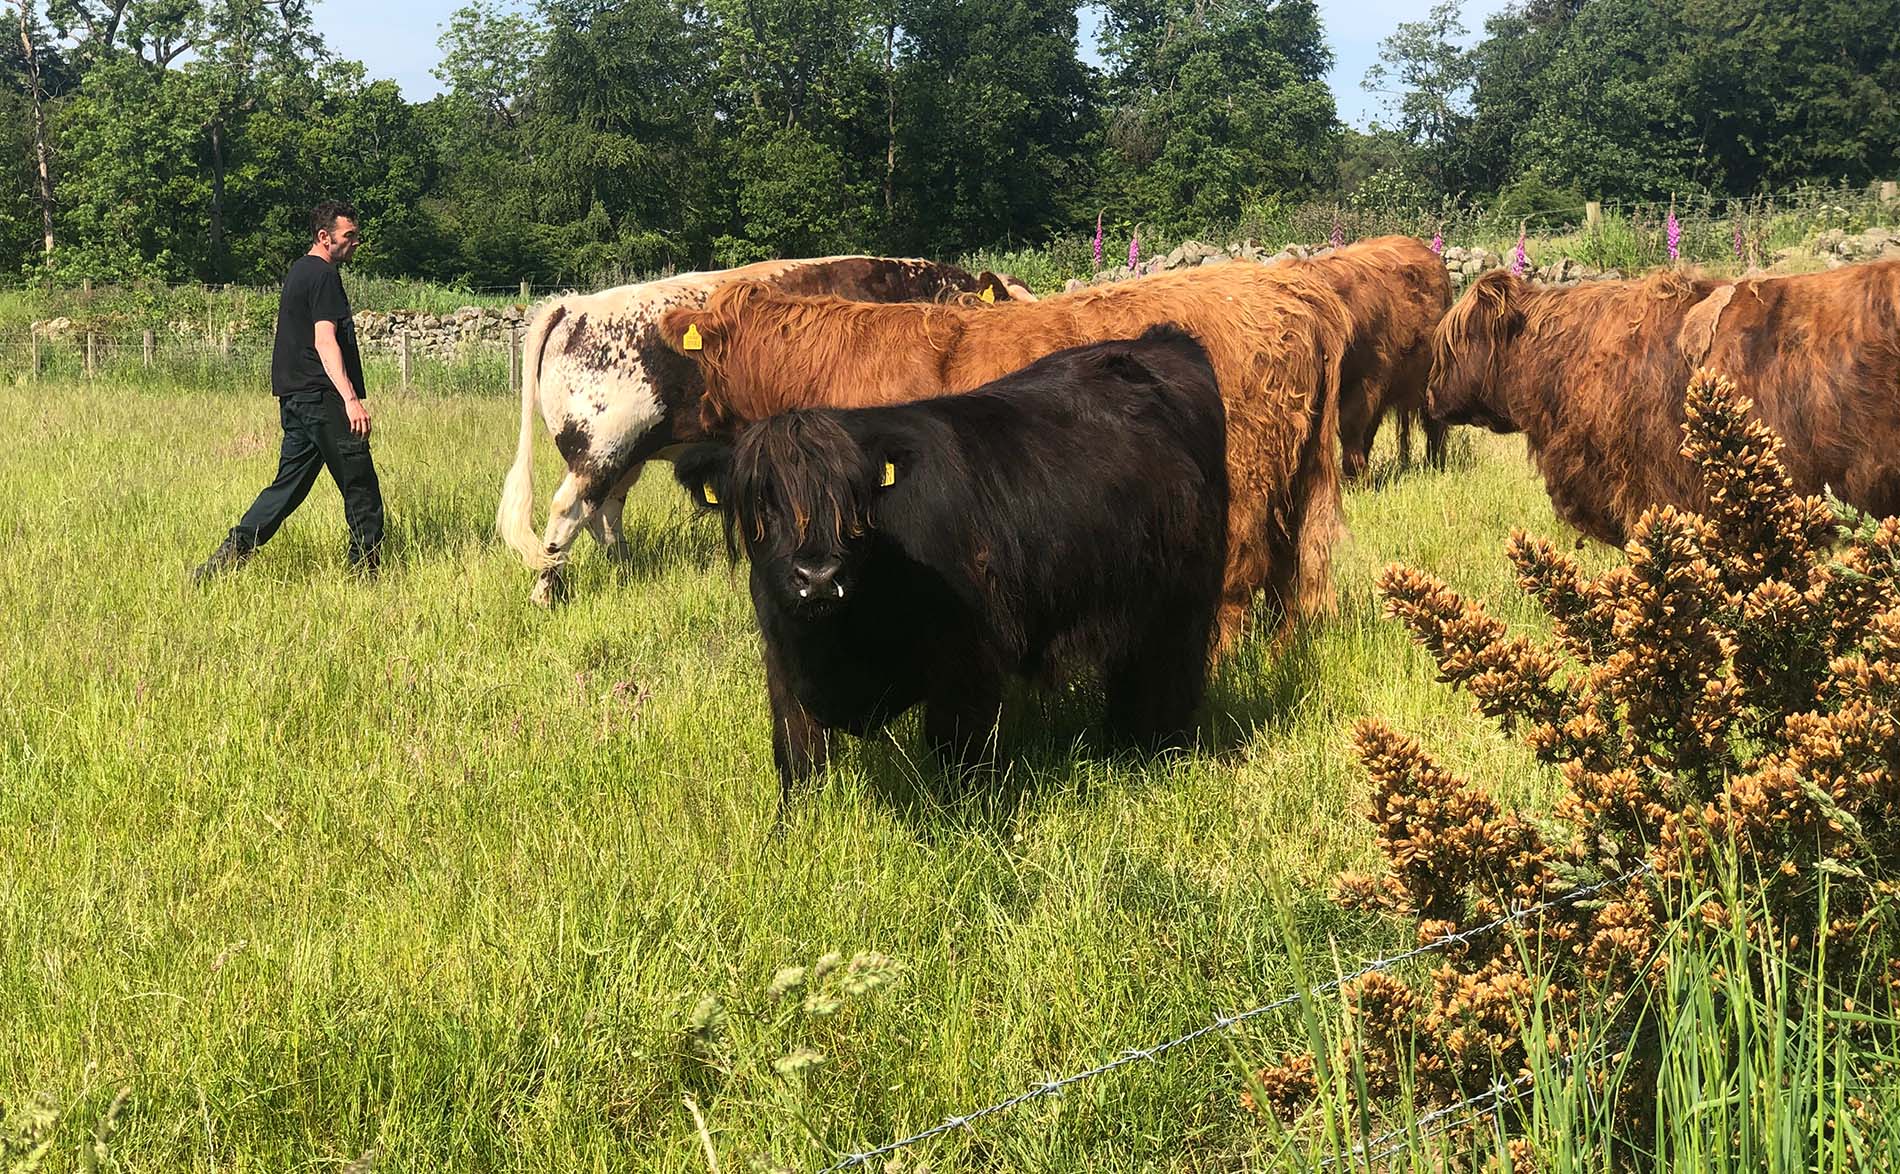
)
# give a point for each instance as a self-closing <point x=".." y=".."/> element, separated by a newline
<point x="241" y="361"/>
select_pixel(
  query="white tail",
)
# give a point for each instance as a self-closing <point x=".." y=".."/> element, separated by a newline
<point x="514" y="517"/>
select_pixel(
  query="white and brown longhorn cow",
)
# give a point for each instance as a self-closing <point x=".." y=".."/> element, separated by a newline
<point x="614" y="396"/>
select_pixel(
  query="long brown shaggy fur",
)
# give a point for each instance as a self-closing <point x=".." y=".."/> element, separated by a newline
<point x="1593" y="376"/>
<point x="1275" y="336"/>
<point x="1396" y="290"/>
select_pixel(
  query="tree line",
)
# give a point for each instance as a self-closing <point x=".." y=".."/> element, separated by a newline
<point x="588" y="140"/>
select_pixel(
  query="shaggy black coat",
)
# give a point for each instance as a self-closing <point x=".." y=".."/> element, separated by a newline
<point x="1069" y="517"/>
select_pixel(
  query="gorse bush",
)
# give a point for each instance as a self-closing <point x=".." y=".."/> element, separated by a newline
<point x="1722" y="707"/>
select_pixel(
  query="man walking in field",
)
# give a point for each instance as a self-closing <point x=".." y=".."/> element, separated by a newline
<point x="316" y="373"/>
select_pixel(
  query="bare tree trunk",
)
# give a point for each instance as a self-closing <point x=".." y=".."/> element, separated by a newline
<point x="890" y="109"/>
<point x="39" y="127"/>
<point x="217" y="198"/>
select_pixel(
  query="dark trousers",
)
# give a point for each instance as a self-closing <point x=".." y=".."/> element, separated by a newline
<point x="317" y="436"/>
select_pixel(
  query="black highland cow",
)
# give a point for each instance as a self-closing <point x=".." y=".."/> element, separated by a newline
<point x="1071" y="516"/>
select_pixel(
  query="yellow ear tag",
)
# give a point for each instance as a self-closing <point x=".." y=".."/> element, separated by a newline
<point x="691" y="340"/>
<point x="890" y="476"/>
<point x="988" y="295"/>
<point x="706" y="491"/>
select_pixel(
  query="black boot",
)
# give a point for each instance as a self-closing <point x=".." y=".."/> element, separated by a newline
<point x="231" y="554"/>
<point x="366" y="561"/>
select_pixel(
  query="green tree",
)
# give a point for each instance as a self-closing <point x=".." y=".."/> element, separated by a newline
<point x="802" y="89"/>
<point x="1609" y="118"/>
<point x="1505" y="75"/>
<point x="794" y="196"/>
<point x="33" y="74"/>
<point x="1626" y="98"/>
<point x="1426" y="76"/>
<point x="335" y="134"/>
<point x="132" y="191"/>
<point x="488" y="57"/>
<point x="483" y="198"/>
<point x="994" y="117"/>
<point x="622" y="117"/>
<point x="1780" y="93"/>
<point x="1213" y="103"/>
<point x="243" y="50"/>
<point x="156" y="32"/>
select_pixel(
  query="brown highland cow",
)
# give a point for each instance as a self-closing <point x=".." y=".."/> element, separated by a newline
<point x="613" y="398"/>
<point x="1594" y="376"/>
<point x="1396" y="290"/>
<point x="1275" y="336"/>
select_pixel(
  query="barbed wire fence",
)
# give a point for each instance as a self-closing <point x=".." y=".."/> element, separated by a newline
<point x="1491" y="1096"/>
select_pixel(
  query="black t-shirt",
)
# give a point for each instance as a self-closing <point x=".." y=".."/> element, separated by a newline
<point x="313" y="293"/>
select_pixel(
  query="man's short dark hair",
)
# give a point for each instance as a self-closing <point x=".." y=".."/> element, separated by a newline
<point x="324" y="216"/>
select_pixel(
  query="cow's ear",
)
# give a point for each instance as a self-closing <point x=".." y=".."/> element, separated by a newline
<point x="891" y="463"/>
<point x="705" y="471"/>
<point x="1498" y="295"/>
<point x="687" y="330"/>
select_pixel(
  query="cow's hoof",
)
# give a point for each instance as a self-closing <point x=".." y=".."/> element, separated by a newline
<point x="550" y="590"/>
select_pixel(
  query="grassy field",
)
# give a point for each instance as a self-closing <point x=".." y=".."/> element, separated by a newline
<point x="410" y="874"/>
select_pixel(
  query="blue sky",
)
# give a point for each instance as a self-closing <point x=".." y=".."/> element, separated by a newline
<point x="397" y="40"/>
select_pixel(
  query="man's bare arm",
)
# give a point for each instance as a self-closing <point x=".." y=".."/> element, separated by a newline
<point x="332" y="356"/>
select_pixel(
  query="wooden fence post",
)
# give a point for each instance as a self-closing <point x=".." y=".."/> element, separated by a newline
<point x="36" y="354"/>
<point x="91" y="361"/>
<point x="1593" y="215"/>
<point x="524" y="289"/>
<point x="405" y="362"/>
<point x="148" y="349"/>
<point x="514" y="356"/>
<point x="1889" y="191"/>
<point x="85" y="286"/>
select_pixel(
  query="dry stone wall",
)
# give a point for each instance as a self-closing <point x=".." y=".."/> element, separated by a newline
<point x="441" y="335"/>
<point x="1462" y="264"/>
<point x="1839" y="248"/>
<point x="435" y="335"/>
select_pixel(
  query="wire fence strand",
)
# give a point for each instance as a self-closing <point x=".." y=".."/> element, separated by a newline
<point x="1226" y="1023"/>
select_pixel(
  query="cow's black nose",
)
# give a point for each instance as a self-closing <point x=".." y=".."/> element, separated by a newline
<point x="816" y="579"/>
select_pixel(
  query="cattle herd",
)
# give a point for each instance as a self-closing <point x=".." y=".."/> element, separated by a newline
<point x="940" y="481"/>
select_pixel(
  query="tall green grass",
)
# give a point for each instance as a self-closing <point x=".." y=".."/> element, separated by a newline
<point x="320" y="869"/>
<point x="178" y="363"/>
<point x="1759" y="1066"/>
